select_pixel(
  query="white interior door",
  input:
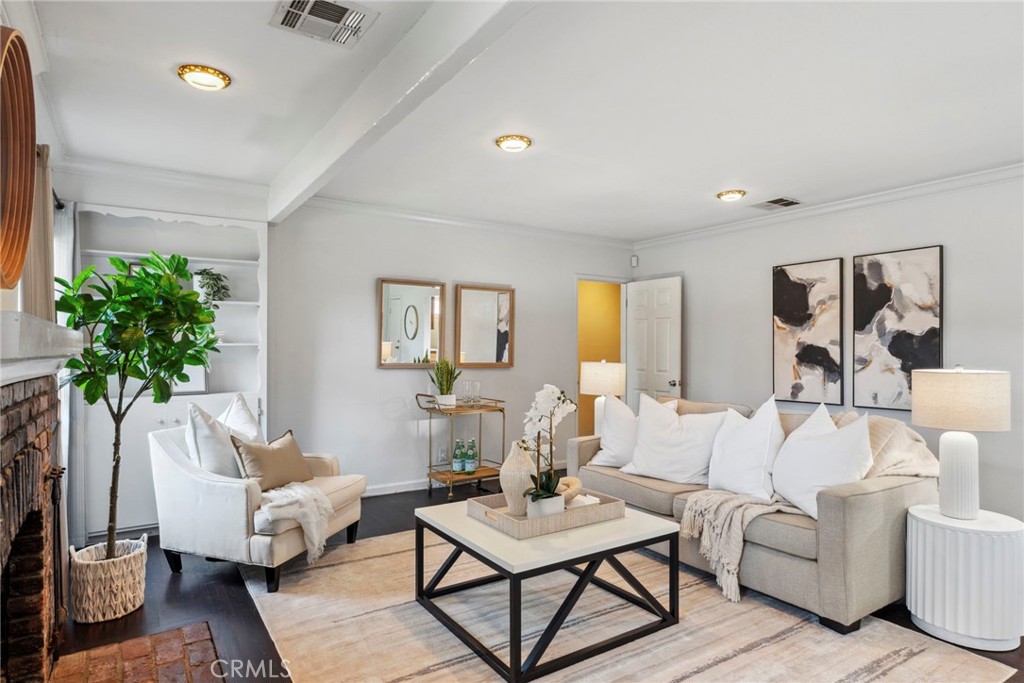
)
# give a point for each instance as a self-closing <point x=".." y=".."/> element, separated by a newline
<point x="654" y="338"/>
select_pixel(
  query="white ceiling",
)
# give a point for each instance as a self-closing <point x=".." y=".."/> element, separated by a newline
<point x="640" y="112"/>
<point x="115" y="94"/>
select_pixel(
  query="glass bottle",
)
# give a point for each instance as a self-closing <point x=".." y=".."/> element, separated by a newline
<point x="472" y="461"/>
<point x="458" y="457"/>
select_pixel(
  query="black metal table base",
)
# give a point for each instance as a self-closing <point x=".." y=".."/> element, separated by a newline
<point x="517" y="669"/>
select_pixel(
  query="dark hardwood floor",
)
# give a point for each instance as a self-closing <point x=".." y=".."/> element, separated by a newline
<point x="214" y="592"/>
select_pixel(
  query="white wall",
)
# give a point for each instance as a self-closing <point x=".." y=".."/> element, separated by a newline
<point x="727" y="301"/>
<point x="324" y="380"/>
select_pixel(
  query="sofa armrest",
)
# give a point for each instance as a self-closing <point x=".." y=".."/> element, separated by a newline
<point x="322" y="465"/>
<point x="862" y="540"/>
<point x="579" y="452"/>
<point x="201" y="513"/>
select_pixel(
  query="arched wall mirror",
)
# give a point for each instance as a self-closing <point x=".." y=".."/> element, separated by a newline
<point x="410" y="323"/>
<point x="484" y="326"/>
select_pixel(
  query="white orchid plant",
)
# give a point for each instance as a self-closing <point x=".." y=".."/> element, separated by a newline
<point x="550" y="406"/>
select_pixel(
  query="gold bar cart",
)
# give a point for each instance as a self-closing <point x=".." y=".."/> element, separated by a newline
<point x="442" y="473"/>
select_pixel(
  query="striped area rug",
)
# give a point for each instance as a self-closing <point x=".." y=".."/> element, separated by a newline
<point x="353" y="617"/>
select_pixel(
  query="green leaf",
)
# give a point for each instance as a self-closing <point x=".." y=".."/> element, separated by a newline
<point x="94" y="389"/>
<point x="62" y="282"/>
<point x="82" y="277"/>
<point x="119" y="264"/>
<point x="74" y="364"/>
<point x="161" y="390"/>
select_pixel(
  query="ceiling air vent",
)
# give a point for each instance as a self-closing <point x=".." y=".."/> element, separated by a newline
<point x="324" y="20"/>
<point x="776" y="204"/>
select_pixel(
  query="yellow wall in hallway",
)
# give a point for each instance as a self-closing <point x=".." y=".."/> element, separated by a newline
<point x="599" y="327"/>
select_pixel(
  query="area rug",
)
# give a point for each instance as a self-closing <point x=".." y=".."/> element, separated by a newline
<point x="183" y="655"/>
<point x="353" y="617"/>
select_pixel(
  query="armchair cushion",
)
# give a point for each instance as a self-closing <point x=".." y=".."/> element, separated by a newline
<point x="340" y="490"/>
<point x="209" y="440"/>
<point x="272" y="465"/>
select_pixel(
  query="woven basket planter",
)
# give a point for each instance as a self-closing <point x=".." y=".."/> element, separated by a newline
<point x="107" y="589"/>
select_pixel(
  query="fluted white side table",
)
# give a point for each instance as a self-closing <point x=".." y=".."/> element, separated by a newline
<point x="965" y="578"/>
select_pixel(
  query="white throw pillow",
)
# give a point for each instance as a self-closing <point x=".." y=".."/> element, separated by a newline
<point x="209" y="443"/>
<point x="817" y="455"/>
<point x="240" y="420"/>
<point x="673" y="447"/>
<point x="209" y="439"/>
<point x="618" y="434"/>
<point x="744" y="452"/>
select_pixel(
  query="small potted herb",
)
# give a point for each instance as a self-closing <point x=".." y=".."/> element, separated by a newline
<point x="443" y="376"/>
<point x="213" y="286"/>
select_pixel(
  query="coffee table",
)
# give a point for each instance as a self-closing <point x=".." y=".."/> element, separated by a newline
<point x="515" y="561"/>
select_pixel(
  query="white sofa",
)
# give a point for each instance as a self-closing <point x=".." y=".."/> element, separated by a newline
<point x="842" y="566"/>
<point x="219" y="517"/>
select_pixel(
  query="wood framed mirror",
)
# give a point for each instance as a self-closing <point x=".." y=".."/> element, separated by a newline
<point x="410" y="323"/>
<point x="484" y="326"/>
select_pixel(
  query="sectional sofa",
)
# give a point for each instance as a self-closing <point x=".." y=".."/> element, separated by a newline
<point x="842" y="567"/>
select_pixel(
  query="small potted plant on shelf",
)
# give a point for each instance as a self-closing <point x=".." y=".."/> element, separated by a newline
<point x="213" y="286"/>
<point x="550" y="405"/>
<point x="443" y="376"/>
<point x="142" y="330"/>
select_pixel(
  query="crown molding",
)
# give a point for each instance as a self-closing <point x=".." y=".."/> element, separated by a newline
<point x="95" y="167"/>
<point x="347" y="206"/>
<point x="956" y="183"/>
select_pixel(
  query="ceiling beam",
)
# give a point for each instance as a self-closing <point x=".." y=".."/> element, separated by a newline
<point x="446" y="38"/>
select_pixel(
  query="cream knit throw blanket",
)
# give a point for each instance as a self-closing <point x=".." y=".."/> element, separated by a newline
<point x="719" y="518"/>
<point x="308" y="506"/>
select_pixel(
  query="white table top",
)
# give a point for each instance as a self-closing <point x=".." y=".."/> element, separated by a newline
<point x="541" y="551"/>
<point x="987" y="521"/>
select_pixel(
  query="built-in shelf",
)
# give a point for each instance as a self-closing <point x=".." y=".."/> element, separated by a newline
<point x="223" y="345"/>
<point x="192" y="259"/>
<point x="232" y="302"/>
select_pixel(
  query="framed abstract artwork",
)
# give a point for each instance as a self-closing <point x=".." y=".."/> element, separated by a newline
<point x="897" y="324"/>
<point x="807" y="347"/>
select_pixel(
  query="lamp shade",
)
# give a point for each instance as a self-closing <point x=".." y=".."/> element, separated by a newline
<point x="599" y="379"/>
<point x="961" y="400"/>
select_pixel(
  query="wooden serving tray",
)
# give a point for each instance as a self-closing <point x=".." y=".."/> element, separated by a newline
<point x="493" y="511"/>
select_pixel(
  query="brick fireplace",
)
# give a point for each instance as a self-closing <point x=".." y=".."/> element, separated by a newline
<point x="33" y="546"/>
<point x="33" y="607"/>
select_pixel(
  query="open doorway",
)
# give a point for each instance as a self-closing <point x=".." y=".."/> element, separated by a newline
<point x="598" y="335"/>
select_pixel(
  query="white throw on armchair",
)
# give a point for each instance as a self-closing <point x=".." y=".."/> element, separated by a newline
<point x="206" y="514"/>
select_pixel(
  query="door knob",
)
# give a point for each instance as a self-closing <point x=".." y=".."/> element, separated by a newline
<point x="673" y="383"/>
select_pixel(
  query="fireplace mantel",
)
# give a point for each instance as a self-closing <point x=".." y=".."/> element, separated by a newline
<point x="32" y="347"/>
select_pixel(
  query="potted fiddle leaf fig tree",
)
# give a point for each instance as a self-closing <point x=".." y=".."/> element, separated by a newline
<point x="143" y="330"/>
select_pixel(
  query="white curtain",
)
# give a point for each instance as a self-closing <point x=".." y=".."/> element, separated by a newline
<point x="66" y="263"/>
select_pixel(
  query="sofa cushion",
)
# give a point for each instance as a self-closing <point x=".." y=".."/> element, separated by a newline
<point x="618" y="434"/>
<point x="655" y="495"/>
<point x="340" y="490"/>
<point x="788" y="533"/>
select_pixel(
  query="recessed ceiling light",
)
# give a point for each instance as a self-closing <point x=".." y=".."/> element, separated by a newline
<point x="203" y="77"/>
<point x="731" y="195"/>
<point x="513" y="143"/>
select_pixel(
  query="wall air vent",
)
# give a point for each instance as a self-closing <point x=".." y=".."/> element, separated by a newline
<point x="324" y="20"/>
<point x="776" y="204"/>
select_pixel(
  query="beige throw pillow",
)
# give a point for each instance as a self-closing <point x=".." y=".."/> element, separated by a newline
<point x="274" y="464"/>
<point x="898" y="450"/>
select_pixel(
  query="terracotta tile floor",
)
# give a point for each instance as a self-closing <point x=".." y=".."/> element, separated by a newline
<point x="183" y="655"/>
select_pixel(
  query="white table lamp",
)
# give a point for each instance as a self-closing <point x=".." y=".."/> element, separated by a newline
<point x="601" y="379"/>
<point x="963" y="401"/>
<point x="387" y="349"/>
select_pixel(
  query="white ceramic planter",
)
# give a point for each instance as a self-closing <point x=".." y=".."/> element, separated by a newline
<point x="101" y="589"/>
<point x="545" y="507"/>
<point x="446" y="400"/>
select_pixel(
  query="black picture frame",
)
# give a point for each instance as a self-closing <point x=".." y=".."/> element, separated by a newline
<point x="790" y="311"/>
<point x="913" y="351"/>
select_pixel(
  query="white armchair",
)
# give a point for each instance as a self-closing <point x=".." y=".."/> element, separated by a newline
<point x="219" y="517"/>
